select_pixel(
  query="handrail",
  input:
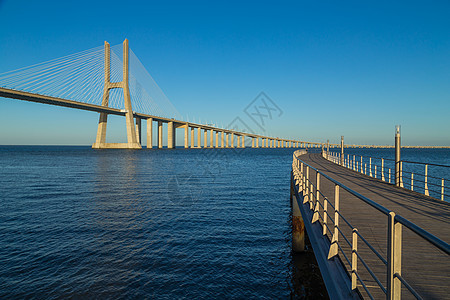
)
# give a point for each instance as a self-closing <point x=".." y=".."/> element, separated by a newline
<point x="311" y="194"/>
<point x="436" y="186"/>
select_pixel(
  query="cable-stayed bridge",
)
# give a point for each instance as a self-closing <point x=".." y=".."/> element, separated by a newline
<point x="112" y="80"/>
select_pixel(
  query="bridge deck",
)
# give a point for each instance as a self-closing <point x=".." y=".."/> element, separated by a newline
<point x="423" y="266"/>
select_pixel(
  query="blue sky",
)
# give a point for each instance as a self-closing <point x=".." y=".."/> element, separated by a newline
<point x="353" y="68"/>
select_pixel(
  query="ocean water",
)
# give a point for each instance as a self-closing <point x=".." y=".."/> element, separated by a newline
<point x="83" y="223"/>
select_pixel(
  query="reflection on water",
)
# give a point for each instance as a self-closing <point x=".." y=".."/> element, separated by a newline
<point x="148" y="224"/>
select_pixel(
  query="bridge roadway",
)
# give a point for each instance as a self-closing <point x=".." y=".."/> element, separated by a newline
<point x="426" y="268"/>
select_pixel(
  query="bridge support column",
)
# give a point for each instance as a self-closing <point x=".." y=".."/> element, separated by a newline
<point x="149" y="133"/>
<point x="222" y="137"/>
<point x="170" y="135"/>
<point x="132" y="142"/>
<point x="138" y="130"/>
<point x="243" y="141"/>
<point x="232" y="140"/>
<point x="205" y="138"/>
<point x="217" y="139"/>
<point x="160" y="134"/>
<point x="227" y="140"/>
<point x="211" y="138"/>
<point x="192" y="137"/>
<point x="298" y="227"/>
<point x="186" y="136"/>
<point x="199" y="137"/>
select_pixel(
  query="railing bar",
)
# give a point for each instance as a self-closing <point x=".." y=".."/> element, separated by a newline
<point x="343" y="253"/>
<point x="421" y="232"/>
<point x="406" y="284"/>
<point x="421" y="163"/>
<point x="365" y="199"/>
<point x="348" y="242"/>
<point x="364" y="286"/>
<point x="371" y="273"/>
<point x="372" y="248"/>
<point x="424" y="234"/>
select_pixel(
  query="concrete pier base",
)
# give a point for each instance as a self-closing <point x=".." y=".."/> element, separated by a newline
<point x="298" y="227"/>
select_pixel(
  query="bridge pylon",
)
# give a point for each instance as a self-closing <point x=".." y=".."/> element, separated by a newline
<point x="132" y="138"/>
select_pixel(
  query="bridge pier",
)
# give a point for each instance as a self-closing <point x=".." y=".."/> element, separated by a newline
<point x="192" y="137"/>
<point x="149" y="133"/>
<point x="232" y="140"/>
<point x="160" y="134"/>
<point x="170" y="135"/>
<point x="211" y="138"/>
<point x="186" y="136"/>
<point x="138" y="130"/>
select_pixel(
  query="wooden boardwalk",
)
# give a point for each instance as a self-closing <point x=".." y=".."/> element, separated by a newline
<point x="426" y="268"/>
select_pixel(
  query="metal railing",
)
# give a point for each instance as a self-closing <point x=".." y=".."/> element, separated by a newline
<point x="330" y="217"/>
<point x="383" y="169"/>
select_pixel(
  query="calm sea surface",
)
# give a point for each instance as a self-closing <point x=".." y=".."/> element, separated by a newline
<point x="80" y="223"/>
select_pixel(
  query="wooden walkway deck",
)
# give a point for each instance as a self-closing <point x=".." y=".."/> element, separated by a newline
<point x="426" y="268"/>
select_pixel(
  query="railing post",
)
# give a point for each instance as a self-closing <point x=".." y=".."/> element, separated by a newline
<point x="401" y="174"/>
<point x="354" y="258"/>
<point x="342" y="150"/>
<point x="325" y="215"/>
<point x="442" y="189"/>
<point x="412" y="181"/>
<point x="306" y="190"/>
<point x="389" y="175"/>
<point x="370" y="166"/>
<point x="375" y="170"/>
<point x="394" y="285"/>
<point x="334" y="240"/>
<point x="361" y="166"/>
<point x="382" y="169"/>
<point x="316" y="207"/>
<point x="300" y="186"/>
<point x="354" y="160"/>
<point x="397" y="155"/>
<point x="328" y="148"/>
<point x="426" y="181"/>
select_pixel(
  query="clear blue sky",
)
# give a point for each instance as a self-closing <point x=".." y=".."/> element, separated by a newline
<point x="353" y="68"/>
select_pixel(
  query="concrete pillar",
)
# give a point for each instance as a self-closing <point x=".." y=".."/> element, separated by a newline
<point x="186" y="136"/>
<point x="170" y="135"/>
<point x="232" y="140"/>
<point x="192" y="137"/>
<point x="211" y="138"/>
<point x="160" y="134"/>
<point x="238" y="141"/>
<point x="222" y="137"/>
<point x="138" y="130"/>
<point x="267" y="143"/>
<point x="243" y="141"/>
<point x="227" y="140"/>
<point x="257" y="142"/>
<point x="199" y="137"/>
<point x="298" y="227"/>
<point x="205" y="138"/>
<point x="217" y="139"/>
<point x="149" y="133"/>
